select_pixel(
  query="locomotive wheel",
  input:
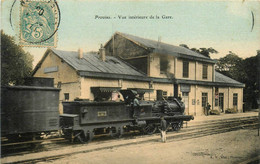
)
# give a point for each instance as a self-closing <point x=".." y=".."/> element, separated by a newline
<point x="67" y="134"/>
<point x="80" y="137"/>
<point x="176" y="126"/>
<point x="74" y="136"/>
<point x="118" y="132"/>
<point x="90" y="136"/>
<point x="150" y="129"/>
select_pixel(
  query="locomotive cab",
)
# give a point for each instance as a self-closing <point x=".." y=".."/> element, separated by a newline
<point x="145" y="107"/>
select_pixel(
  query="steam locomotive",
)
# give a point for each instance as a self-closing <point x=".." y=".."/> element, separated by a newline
<point x="33" y="109"/>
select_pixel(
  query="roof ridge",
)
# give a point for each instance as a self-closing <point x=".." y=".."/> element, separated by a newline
<point x="136" y="39"/>
<point x="86" y="52"/>
<point x="136" y="42"/>
<point x="149" y="39"/>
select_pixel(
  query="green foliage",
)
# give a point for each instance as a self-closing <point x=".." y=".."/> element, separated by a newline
<point x="232" y="66"/>
<point x="16" y="64"/>
<point x="214" y="112"/>
<point x="230" y="110"/>
<point x="243" y="71"/>
<point x="207" y="51"/>
<point x="204" y="51"/>
<point x="251" y="91"/>
<point x="184" y="45"/>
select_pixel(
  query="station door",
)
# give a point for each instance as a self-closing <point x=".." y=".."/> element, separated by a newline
<point x="221" y="102"/>
<point x="185" y="99"/>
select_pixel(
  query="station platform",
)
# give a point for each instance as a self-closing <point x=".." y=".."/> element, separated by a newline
<point x="223" y="116"/>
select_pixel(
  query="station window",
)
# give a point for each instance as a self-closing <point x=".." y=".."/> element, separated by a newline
<point x="235" y="99"/>
<point x="161" y="94"/>
<point x="216" y="101"/>
<point x="164" y="94"/>
<point x="185" y="70"/>
<point x="205" y="71"/>
<point x="59" y="84"/>
<point x="163" y="65"/>
<point x="216" y="96"/>
<point x="66" y="96"/>
<point x="185" y="94"/>
<point x="204" y="99"/>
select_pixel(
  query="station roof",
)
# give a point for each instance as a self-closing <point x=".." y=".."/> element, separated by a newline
<point x="220" y="81"/>
<point x="91" y="62"/>
<point x="166" y="49"/>
<point x="220" y="78"/>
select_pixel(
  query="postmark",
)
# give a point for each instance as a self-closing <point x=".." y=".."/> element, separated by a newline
<point x="39" y="22"/>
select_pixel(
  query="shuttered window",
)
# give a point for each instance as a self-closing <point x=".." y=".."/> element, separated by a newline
<point x="161" y="94"/>
<point x="164" y="94"/>
<point x="163" y="65"/>
<point x="204" y="99"/>
<point x="235" y="99"/>
<point x="66" y="96"/>
<point x="185" y="70"/>
<point x="205" y="71"/>
<point x="216" y="96"/>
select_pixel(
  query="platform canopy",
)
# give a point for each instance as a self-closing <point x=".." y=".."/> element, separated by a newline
<point x="141" y="90"/>
<point x="104" y="89"/>
<point x="103" y="93"/>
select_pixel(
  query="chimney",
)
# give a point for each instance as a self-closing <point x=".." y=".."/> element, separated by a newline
<point x="80" y="53"/>
<point x="159" y="41"/>
<point x="102" y="53"/>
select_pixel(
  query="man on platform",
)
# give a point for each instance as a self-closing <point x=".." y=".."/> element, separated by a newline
<point x="163" y="129"/>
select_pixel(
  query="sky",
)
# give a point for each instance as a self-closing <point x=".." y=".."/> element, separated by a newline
<point x="223" y="25"/>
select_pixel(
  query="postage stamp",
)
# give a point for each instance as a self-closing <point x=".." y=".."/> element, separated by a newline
<point x="39" y="21"/>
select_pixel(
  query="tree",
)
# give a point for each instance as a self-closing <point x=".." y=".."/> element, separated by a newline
<point x="232" y="66"/>
<point x="16" y="64"/>
<point x="243" y="71"/>
<point x="250" y="80"/>
<point x="207" y="51"/>
<point x="204" y="51"/>
<point x="184" y="45"/>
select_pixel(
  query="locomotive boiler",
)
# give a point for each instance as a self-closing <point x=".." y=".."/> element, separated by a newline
<point x="82" y="120"/>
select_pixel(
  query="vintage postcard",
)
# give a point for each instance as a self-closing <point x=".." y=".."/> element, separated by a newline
<point x="138" y="81"/>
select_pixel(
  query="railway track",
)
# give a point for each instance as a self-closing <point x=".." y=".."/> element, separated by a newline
<point x="195" y="130"/>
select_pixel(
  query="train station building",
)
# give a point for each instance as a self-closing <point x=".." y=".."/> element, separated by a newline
<point x="152" y="68"/>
